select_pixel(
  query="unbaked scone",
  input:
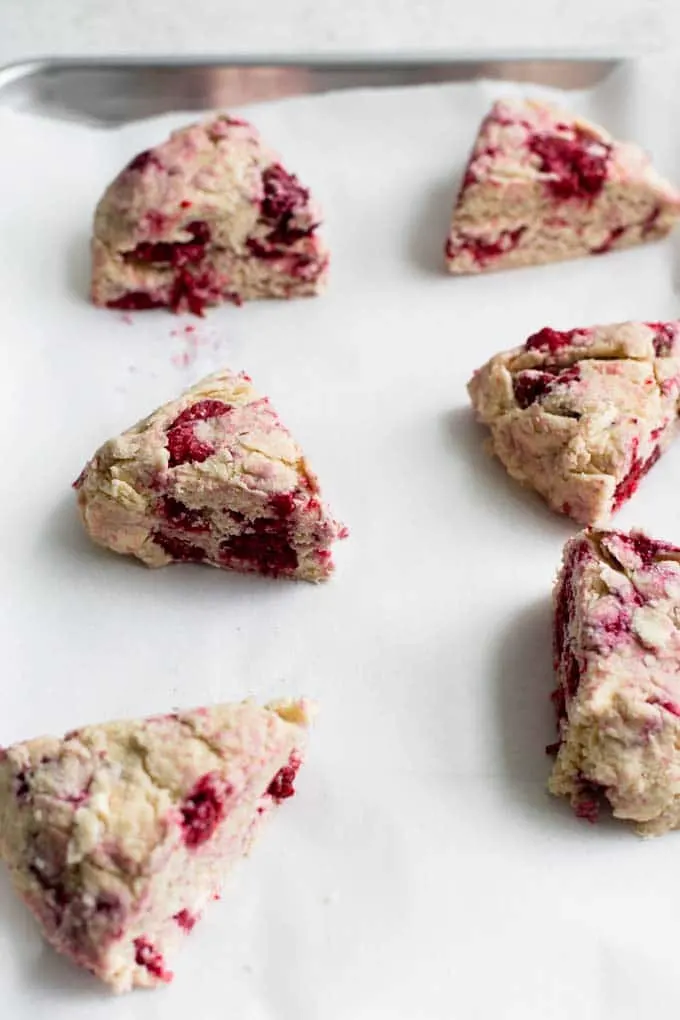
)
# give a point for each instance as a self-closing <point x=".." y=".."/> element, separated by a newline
<point x="208" y="216"/>
<point x="117" y="836"/>
<point x="211" y="477"/>
<point x="543" y="185"/>
<point x="582" y="415"/>
<point x="616" y="643"/>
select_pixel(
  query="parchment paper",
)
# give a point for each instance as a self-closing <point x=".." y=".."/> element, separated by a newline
<point x="422" y="872"/>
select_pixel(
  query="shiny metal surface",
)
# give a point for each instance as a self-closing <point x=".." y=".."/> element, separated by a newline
<point x="118" y="91"/>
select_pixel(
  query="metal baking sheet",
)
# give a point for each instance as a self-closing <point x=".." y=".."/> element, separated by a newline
<point x="117" y="92"/>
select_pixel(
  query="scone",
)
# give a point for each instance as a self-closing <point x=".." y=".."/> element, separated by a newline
<point x="117" y="836"/>
<point x="211" y="477"/>
<point x="208" y="216"/>
<point x="581" y="416"/>
<point x="617" y="650"/>
<point x="542" y="185"/>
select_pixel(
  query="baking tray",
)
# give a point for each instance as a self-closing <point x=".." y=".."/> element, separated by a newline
<point x="119" y="91"/>
<point x="423" y="871"/>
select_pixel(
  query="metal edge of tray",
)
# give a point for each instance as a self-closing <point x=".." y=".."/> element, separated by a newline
<point x="113" y="91"/>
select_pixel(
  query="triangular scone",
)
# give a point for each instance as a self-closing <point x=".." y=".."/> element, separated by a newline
<point x="617" y="657"/>
<point x="210" y="215"/>
<point x="118" y="835"/>
<point x="212" y="477"/>
<point x="542" y="185"/>
<point x="583" y="415"/>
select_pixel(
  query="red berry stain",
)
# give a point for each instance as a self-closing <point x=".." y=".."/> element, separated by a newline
<point x="282" y="785"/>
<point x="185" y="920"/>
<point x="149" y="957"/>
<point x="284" y="196"/>
<point x="564" y="659"/>
<point x="484" y="251"/>
<point x="204" y="809"/>
<point x="174" y="253"/>
<point x="665" y="336"/>
<point x="264" y="546"/>
<point x="183" y="552"/>
<point x="578" y="162"/>
<point x="143" y="160"/>
<point x="589" y="800"/>
<point x="552" y="340"/>
<point x="183" y="445"/>
<point x="609" y="241"/>
<point x="531" y="384"/>
<point x="136" y="301"/>
<point x="638" y="469"/>
<point x="181" y="516"/>
<point x="648" y="549"/>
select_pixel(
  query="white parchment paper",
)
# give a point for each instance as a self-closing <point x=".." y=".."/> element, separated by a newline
<point x="422" y="873"/>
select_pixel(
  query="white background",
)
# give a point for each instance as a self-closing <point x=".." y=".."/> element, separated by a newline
<point x="73" y="27"/>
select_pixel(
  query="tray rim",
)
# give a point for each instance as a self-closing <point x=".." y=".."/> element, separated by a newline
<point x="16" y="71"/>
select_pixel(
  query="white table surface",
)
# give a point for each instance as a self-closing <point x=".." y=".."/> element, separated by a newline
<point x="30" y="28"/>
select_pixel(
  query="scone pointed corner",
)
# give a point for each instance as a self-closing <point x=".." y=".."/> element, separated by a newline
<point x="582" y="415"/>
<point x="543" y="185"/>
<point x="118" y="835"/>
<point x="211" y="477"/>
<point x="210" y="215"/>
<point x="616" y="649"/>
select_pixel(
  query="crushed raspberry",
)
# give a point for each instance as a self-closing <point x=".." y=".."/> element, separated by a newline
<point x="204" y="809"/>
<point x="552" y="340"/>
<point x="283" y="504"/>
<point x="265" y="546"/>
<point x="609" y="241"/>
<point x="143" y="160"/>
<point x="482" y="251"/>
<point x="174" y="253"/>
<point x="194" y="293"/>
<point x="638" y="469"/>
<point x="185" y="204"/>
<point x="183" y="445"/>
<point x="282" y="785"/>
<point x="283" y="193"/>
<point x="579" y="163"/>
<point x="181" y="516"/>
<point x="150" y="958"/>
<point x="185" y="920"/>
<point x="136" y="301"/>
<point x="531" y="384"/>
<point x="664" y="340"/>
<point x="669" y="706"/>
<point x="183" y="552"/>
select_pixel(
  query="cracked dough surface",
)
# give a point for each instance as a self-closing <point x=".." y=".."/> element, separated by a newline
<point x="543" y="185"/>
<point x="117" y="835"/>
<point x="211" y="477"/>
<point x="617" y="657"/>
<point x="582" y="415"/>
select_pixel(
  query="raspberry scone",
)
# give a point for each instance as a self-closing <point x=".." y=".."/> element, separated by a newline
<point x="212" y="477"/>
<point x="210" y="215"/>
<point x="117" y="836"/>
<point x="617" y="656"/>
<point x="542" y="185"/>
<point x="582" y="415"/>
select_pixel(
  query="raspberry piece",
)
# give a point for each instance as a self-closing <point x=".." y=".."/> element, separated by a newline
<point x="204" y="809"/>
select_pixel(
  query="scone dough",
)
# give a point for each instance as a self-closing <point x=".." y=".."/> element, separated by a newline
<point x="210" y="215"/>
<point x="212" y="477"/>
<point x="118" y="835"/>
<point x="542" y="185"/>
<point x="582" y="415"/>
<point x="617" y="657"/>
